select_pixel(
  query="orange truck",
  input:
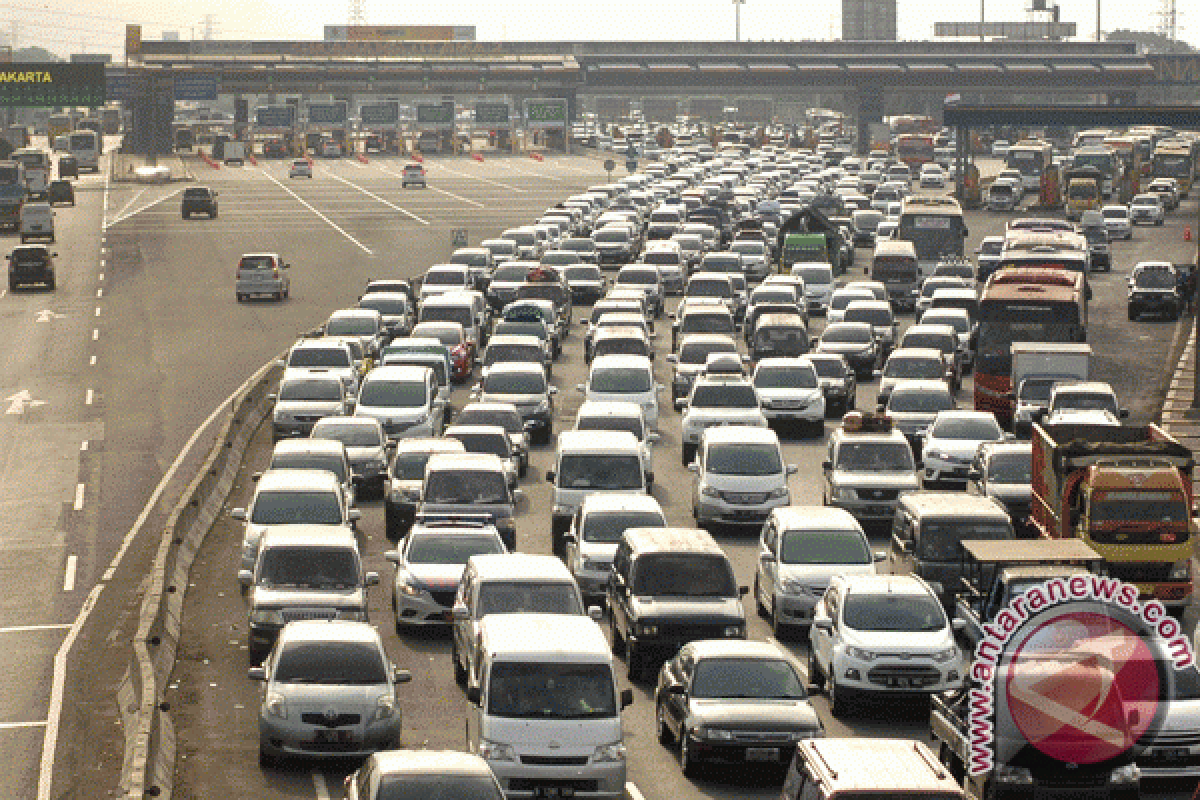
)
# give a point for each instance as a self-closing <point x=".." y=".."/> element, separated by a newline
<point x="1127" y="493"/>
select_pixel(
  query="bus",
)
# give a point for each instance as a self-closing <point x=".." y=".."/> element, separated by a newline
<point x="915" y="149"/>
<point x="1103" y="159"/>
<point x="935" y="226"/>
<point x="1176" y="158"/>
<point x="87" y="147"/>
<point x="1031" y="158"/>
<point x="1023" y="304"/>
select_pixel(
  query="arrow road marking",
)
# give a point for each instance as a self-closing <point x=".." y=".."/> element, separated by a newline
<point x="20" y="402"/>
<point x="45" y="315"/>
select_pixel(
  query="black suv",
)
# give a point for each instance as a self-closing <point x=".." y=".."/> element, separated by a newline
<point x="30" y="264"/>
<point x="668" y="587"/>
<point x="199" y="200"/>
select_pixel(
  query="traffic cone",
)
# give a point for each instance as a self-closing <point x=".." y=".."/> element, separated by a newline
<point x="1187" y="233"/>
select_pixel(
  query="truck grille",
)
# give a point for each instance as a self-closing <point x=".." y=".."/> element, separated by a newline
<point x="900" y="677"/>
<point x="753" y="737"/>
<point x="336" y="721"/>
<point x="533" y="784"/>
<point x="555" y="761"/>
<point x="744" y="498"/>
<point x="691" y="633"/>
<point x="295" y="614"/>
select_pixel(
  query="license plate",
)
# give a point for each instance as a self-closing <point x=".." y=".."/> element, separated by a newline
<point x="878" y="510"/>
<point x="762" y="754"/>
<point x="330" y="736"/>
<point x="1174" y="753"/>
<point x="553" y="791"/>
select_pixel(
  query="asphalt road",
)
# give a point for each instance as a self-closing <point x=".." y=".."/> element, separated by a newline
<point x="216" y="705"/>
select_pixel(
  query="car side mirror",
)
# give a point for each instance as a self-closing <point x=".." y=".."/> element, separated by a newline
<point x="878" y="556"/>
<point x="626" y="698"/>
<point x="392" y="556"/>
<point x="743" y="591"/>
<point x="823" y="623"/>
<point x="974" y="475"/>
<point x="958" y="625"/>
<point x="272" y="399"/>
<point x="257" y="673"/>
<point x="826" y="465"/>
<point x="371" y="579"/>
<point x="354" y="514"/>
<point x="550" y="476"/>
<point x="401" y="675"/>
<point x="596" y="613"/>
<point x="238" y="514"/>
<point x="693" y="467"/>
<point x="1123" y="413"/>
<point x="792" y="469"/>
<point x="245" y="578"/>
<point x="460" y="613"/>
<point x="474" y="695"/>
<point x="579" y="387"/>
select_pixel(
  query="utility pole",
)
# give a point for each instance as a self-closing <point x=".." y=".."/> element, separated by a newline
<point x="1098" y="35"/>
<point x="737" y="19"/>
<point x="210" y="22"/>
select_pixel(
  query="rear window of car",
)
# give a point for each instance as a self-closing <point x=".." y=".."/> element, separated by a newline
<point x="256" y="262"/>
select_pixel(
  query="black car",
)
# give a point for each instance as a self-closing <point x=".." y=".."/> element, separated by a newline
<point x="274" y="148"/>
<point x="30" y="264"/>
<point x="199" y="200"/>
<point x="60" y="191"/>
<point x="1154" y="288"/>
<point x="68" y="167"/>
<point x="837" y="380"/>
<point x="668" y="587"/>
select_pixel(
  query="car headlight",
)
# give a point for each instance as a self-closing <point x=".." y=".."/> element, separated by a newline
<point x="647" y="630"/>
<point x="266" y="617"/>
<point x="716" y="734"/>
<point x="735" y="631"/>
<point x="609" y="753"/>
<point x="709" y="491"/>
<point x="497" y="751"/>
<point x="778" y="492"/>
<point x="385" y="708"/>
<point x="275" y="705"/>
<point x="859" y="654"/>
<point x="845" y="495"/>
<point x="949" y="654"/>
<point x="1130" y="773"/>
<point x="1182" y="571"/>
<point x="1005" y="773"/>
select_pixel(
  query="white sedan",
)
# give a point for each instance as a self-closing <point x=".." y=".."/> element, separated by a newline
<point x="1117" y="221"/>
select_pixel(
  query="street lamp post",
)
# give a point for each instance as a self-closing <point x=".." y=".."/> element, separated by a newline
<point x="737" y="19"/>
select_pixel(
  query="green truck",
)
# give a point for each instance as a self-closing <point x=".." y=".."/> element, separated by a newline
<point x="809" y="236"/>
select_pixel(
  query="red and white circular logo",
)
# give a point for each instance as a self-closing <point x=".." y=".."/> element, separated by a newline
<point x="1082" y="687"/>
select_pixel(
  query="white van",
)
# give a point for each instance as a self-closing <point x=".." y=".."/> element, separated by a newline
<point x="37" y="222"/>
<point x="547" y="711"/>
<point x="591" y="462"/>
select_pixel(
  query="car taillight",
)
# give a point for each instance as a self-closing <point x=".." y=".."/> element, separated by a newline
<point x="275" y="272"/>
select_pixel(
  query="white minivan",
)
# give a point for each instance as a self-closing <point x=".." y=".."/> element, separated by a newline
<point x="37" y="222"/>
<point x="591" y="462"/>
<point x="624" y="378"/>
<point x="547" y="711"/>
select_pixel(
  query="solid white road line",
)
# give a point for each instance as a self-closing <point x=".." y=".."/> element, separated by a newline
<point x="83" y="446"/>
<point x="5" y="726"/>
<point x="376" y="197"/>
<point x="92" y="361"/>
<point x="80" y="489"/>
<point x="32" y="628"/>
<point x="99" y="293"/>
<point x="96" y="332"/>
<point x="97" y="311"/>
<point x="122" y="217"/>
<point x="633" y="791"/>
<point x="89" y="397"/>
<point x="69" y="577"/>
<point x="319" y="786"/>
<point x="321" y="216"/>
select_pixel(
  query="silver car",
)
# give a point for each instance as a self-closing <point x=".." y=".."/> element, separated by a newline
<point x="303" y="398"/>
<point x="366" y="447"/>
<point x="329" y="692"/>
<point x="262" y="274"/>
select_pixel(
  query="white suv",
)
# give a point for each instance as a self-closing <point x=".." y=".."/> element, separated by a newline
<point x="740" y="476"/>
<point x="875" y="634"/>
<point x="626" y="379"/>
<point x="719" y="400"/>
<point x="791" y="392"/>
<point x="405" y="400"/>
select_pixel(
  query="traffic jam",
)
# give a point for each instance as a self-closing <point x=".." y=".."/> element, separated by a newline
<point x="724" y="306"/>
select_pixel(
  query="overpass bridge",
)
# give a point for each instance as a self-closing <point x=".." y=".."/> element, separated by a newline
<point x="867" y="79"/>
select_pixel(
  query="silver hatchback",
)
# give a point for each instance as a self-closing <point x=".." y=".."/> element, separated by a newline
<point x="330" y="692"/>
<point x="262" y="274"/>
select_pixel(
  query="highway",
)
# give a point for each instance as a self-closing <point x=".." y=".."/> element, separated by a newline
<point x="150" y="296"/>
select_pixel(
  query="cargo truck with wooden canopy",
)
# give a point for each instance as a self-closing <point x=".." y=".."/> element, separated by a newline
<point x="1126" y="492"/>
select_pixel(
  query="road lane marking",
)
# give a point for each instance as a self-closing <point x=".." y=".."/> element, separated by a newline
<point x="133" y="200"/>
<point x="458" y="197"/>
<point x="8" y="726"/>
<point x="98" y="310"/>
<point x="633" y="791"/>
<point x="101" y="276"/>
<point x="376" y="197"/>
<point x="58" y="684"/>
<point x="83" y="446"/>
<point x="92" y="361"/>
<point x="96" y="332"/>
<point x="99" y="293"/>
<point x="87" y="399"/>
<point x="121" y="218"/>
<point x="485" y="180"/>
<point x="319" y="786"/>
<point x="321" y="216"/>
<point x="34" y="628"/>
<point x="79" y="491"/>
<point x="69" y="577"/>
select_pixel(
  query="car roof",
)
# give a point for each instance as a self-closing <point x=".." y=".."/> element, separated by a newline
<point x="527" y="339"/>
<point x="966" y="413"/>
<point x="309" y="536"/>
<point x="957" y="504"/>
<point x="916" y="352"/>
<point x="474" y="462"/>
<point x="398" y="372"/>
<point x="609" y="408"/>
<point x="791" y="518"/>
<point x="429" y="445"/>
<point x="617" y="360"/>
<point x="1099" y="387"/>
<point x="311" y="446"/>
<point x="516" y="366"/>
<point x="671" y="540"/>
<point x="430" y="762"/>
<point x="575" y="441"/>
<point x="881" y="583"/>
<point x="541" y="637"/>
<point x="922" y="328"/>
<point x="737" y="648"/>
<point x="281" y="480"/>
<point x="600" y="502"/>
<point x="739" y="434"/>
<point x="922" y="385"/>
<point x="520" y="567"/>
<point x="308" y="374"/>
<point x="328" y="631"/>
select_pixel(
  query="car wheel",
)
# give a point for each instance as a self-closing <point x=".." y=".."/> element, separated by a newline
<point x="279" y="296"/>
<point x="618" y="644"/>
<point x="687" y="453"/>
<point x="266" y="758"/>
<point x="815" y="676"/>
<point x="781" y="629"/>
<point x="837" y="702"/>
<point x="460" y="672"/>
<point x="213" y="215"/>
<point x="687" y="764"/>
<point x="185" y="215"/>
<point x="665" y="737"/>
<point x="758" y="603"/>
<point x="633" y="664"/>
<point x="1132" y="315"/>
<point x="50" y="284"/>
<point x="12" y="285"/>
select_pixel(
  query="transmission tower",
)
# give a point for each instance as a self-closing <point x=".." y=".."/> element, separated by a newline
<point x="358" y="13"/>
<point x="210" y="24"/>
<point x="1168" y="20"/>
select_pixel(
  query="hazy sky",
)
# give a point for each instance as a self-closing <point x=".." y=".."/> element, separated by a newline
<point x="66" y="26"/>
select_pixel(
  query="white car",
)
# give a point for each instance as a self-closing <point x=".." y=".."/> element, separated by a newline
<point x="718" y="400"/>
<point x="951" y="443"/>
<point x="1117" y="221"/>
<point x="596" y="531"/>
<point x="740" y="476"/>
<point x="790" y="391"/>
<point x="300" y="168"/>
<point x="626" y="379"/>
<point x="882" y="634"/>
<point x="801" y="548"/>
<point x="1147" y="209"/>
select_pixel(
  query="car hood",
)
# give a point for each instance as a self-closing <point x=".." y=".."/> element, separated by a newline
<point x="437" y="576"/>
<point x="754" y="714"/>
<point x="564" y="737"/>
<point x="391" y="414"/>
<point x="816" y="576"/>
<point x="961" y="449"/>
<point x="724" y="416"/>
<point x="270" y="598"/>
<point x="899" y="642"/>
<point x="340" y="698"/>
<point x="697" y="610"/>
<point x="808" y="395"/>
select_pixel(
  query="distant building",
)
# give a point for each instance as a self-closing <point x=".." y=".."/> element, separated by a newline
<point x="868" y="20"/>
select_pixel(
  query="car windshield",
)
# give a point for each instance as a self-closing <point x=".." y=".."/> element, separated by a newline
<point x="785" y="377"/>
<point x="840" y="300"/>
<point x="829" y="368"/>
<point x="982" y="429"/>
<point x="607" y="527"/>
<point x="880" y="317"/>
<point x="914" y="367"/>
<point x="724" y="395"/>
<point x="446" y="277"/>
<point x="497" y="353"/>
<point x="781" y="296"/>
<point x="707" y="323"/>
<point x="698" y="352"/>
<point x="852" y="334"/>
<point x="303" y="460"/>
<point x="463" y="315"/>
<point x="537" y="329"/>
<point x="396" y="394"/>
<point x="1037" y="390"/>
<point x="638" y="277"/>
<point x="410" y="466"/>
<point x="1155" y="279"/>
<point x="991" y="248"/>
<point x="814" y="275"/>
<point x="584" y="273"/>
<point x="621" y="380"/>
<point x="385" y="305"/>
<point x="481" y="442"/>
<point x="320" y="357"/>
<point x="510" y="273"/>
<point x="1086" y="401"/>
<point x="418" y="786"/>
<point x="578" y="245"/>
<point x="1115" y="213"/>
<point x="504" y="597"/>
<point x="920" y="402"/>
<point x="466" y="487"/>
<point x="824" y="547"/>
<point x="749" y="248"/>
<point x="875" y="457"/>
<point x="449" y="549"/>
<point x="514" y="383"/>
<point x="311" y="390"/>
<point x="509" y="420"/>
<point x="744" y="459"/>
<point x="611" y="236"/>
<point x="449" y="335"/>
<point x="683" y="575"/>
<point x="336" y="662"/>
<point x="754" y="678"/>
<point x="308" y="567"/>
<point x="709" y="288"/>
<point x="1138" y="506"/>
<point x="893" y="613"/>
<point x="292" y="507"/>
<point x="941" y="539"/>
<point x="600" y="471"/>
<point x="1014" y="468"/>
<point x="348" y="434"/>
<point x="547" y="690"/>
